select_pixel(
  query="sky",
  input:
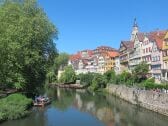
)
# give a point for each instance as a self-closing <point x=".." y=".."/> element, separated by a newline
<point x="86" y="24"/>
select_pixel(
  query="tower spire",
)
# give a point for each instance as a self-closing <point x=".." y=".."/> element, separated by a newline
<point x="135" y="23"/>
<point x="134" y="30"/>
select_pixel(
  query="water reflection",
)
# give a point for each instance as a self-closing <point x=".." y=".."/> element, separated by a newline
<point x="82" y="108"/>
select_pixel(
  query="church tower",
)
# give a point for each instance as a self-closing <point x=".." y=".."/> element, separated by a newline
<point x="134" y="30"/>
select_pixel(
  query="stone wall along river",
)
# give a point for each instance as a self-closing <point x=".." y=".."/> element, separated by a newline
<point x="148" y="99"/>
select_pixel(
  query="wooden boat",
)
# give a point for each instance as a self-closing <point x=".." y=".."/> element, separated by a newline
<point x="42" y="103"/>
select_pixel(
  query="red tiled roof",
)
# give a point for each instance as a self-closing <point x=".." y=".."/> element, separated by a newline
<point x="156" y="36"/>
<point x="75" y="57"/>
<point x="159" y="42"/>
<point x="113" y="54"/>
<point x="105" y="48"/>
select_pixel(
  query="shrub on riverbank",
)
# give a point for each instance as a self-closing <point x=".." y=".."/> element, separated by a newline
<point x="99" y="81"/>
<point x="14" y="107"/>
<point x="94" y="81"/>
<point x="86" y="79"/>
<point x="150" y="84"/>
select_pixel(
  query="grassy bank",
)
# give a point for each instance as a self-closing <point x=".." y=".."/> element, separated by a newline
<point x="14" y="107"/>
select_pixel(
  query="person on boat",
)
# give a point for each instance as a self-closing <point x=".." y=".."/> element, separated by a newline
<point x="36" y="99"/>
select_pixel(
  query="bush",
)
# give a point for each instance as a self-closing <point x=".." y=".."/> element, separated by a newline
<point x="150" y="84"/>
<point x="125" y="78"/>
<point x="14" y="107"/>
<point x="110" y="76"/>
<point x="99" y="81"/>
<point x="86" y="79"/>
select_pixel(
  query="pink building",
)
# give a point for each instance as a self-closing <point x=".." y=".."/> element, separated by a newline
<point x="156" y="55"/>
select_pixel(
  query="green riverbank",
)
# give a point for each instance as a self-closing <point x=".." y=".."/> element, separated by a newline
<point x="14" y="106"/>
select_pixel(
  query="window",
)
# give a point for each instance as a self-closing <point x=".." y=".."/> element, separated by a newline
<point x="164" y="53"/>
<point x="149" y="58"/>
<point x="155" y="49"/>
<point x="156" y="67"/>
<point x="146" y="50"/>
<point x="149" y="49"/>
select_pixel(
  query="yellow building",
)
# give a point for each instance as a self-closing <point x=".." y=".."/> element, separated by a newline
<point x="110" y="60"/>
<point x="165" y="58"/>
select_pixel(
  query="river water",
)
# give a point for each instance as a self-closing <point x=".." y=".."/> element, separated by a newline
<point x="81" y="108"/>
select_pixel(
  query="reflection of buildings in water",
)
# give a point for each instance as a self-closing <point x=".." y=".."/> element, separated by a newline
<point x="117" y="119"/>
<point x="81" y="90"/>
<point x="105" y="115"/>
<point x="90" y="106"/>
<point x="110" y="123"/>
<point x="78" y="102"/>
<point x="58" y="93"/>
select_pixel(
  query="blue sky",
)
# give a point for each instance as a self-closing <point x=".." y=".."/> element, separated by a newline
<point x="86" y="24"/>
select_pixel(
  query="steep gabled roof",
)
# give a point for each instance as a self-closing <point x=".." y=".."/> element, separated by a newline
<point x="140" y="36"/>
<point x="158" y="37"/>
<point x="128" y="44"/>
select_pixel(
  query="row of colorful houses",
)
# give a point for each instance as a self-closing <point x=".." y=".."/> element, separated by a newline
<point x="151" y="47"/>
<point x="98" y="60"/>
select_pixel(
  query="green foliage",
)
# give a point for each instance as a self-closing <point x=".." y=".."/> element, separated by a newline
<point x="86" y="79"/>
<point x="14" y="107"/>
<point x="124" y="78"/>
<point x="51" y="76"/>
<point x="68" y="75"/>
<point x="140" y="72"/>
<point x="110" y="76"/>
<point x="27" y="49"/>
<point x="99" y="81"/>
<point x="59" y="64"/>
<point x="61" y="61"/>
<point x="150" y="84"/>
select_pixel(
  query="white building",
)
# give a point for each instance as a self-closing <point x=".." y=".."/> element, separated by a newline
<point x="117" y="67"/>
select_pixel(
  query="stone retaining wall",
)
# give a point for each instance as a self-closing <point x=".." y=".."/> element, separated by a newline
<point x="151" y="100"/>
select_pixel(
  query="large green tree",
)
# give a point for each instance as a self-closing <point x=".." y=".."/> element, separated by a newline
<point x="68" y="75"/>
<point x="99" y="81"/>
<point x="26" y="44"/>
<point x="59" y="63"/>
<point x="140" y="72"/>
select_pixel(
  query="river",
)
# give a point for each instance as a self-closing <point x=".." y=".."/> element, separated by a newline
<point x="81" y="108"/>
